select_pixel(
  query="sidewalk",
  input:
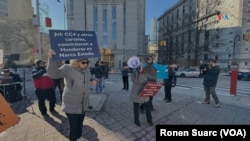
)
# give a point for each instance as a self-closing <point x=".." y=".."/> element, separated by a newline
<point x="111" y="119"/>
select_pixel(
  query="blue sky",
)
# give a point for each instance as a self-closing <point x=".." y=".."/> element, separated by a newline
<point x="154" y="8"/>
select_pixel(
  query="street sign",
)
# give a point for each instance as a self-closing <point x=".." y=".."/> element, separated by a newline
<point x="150" y="89"/>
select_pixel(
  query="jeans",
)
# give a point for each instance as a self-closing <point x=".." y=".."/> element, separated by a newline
<point x="125" y="82"/>
<point x="42" y="95"/>
<point x="98" y="87"/>
<point x="208" y="91"/>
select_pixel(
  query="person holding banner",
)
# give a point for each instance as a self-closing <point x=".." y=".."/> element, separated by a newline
<point x="159" y="72"/>
<point x="75" y="98"/>
<point x="140" y="78"/>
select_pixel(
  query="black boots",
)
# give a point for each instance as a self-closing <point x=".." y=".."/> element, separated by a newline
<point x="138" y="123"/>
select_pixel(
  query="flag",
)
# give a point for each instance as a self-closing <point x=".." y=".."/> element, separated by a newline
<point x="219" y="16"/>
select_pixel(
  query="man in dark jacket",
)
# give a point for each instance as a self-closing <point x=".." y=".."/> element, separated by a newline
<point x="13" y="91"/>
<point x="16" y="78"/>
<point x="105" y="70"/>
<point x="210" y="81"/>
<point x="44" y="86"/>
<point x="125" y="72"/>
<point x="98" y="72"/>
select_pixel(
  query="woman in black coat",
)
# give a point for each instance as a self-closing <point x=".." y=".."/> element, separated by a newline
<point x="168" y="84"/>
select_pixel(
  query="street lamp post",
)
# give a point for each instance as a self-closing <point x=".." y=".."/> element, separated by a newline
<point x="124" y="53"/>
<point x="235" y="38"/>
<point x="38" y="31"/>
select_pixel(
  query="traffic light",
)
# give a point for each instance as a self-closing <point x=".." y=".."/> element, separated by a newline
<point x="246" y="36"/>
<point x="163" y="43"/>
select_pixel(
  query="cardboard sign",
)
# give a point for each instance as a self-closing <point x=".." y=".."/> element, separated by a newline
<point x="70" y="44"/>
<point x="150" y="89"/>
<point x="7" y="117"/>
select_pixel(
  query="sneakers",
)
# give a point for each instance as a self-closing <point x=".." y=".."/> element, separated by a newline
<point x="45" y="115"/>
<point x="82" y="139"/>
<point x="150" y="123"/>
<point x="53" y="112"/>
<point x="217" y="105"/>
<point x="205" y="102"/>
<point x="168" y="101"/>
<point x="138" y="123"/>
<point x="90" y="107"/>
<point x="102" y="91"/>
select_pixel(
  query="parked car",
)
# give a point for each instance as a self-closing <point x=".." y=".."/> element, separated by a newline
<point x="190" y="72"/>
<point x="243" y="74"/>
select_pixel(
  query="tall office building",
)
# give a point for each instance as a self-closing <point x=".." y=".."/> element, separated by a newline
<point x="153" y="38"/>
<point x="118" y="24"/>
<point x="196" y="30"/>
<point x="16" y="10"/>
<point x="16" y="26"/>
<point x="153" y="31"/>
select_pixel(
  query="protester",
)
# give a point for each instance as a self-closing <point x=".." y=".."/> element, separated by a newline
<point x="125" y="71"/>
<point x="140" y="78"/>
<point x="151" y="71"/>
<point x="168" y="85"/>
<point x="44" y="88"/>
<point x="210" y="81"/>
<point x="155" y="70"/>
<point x="98" y="73"/>
<point x="75" y="99"/>
<point x="105" y="70"/>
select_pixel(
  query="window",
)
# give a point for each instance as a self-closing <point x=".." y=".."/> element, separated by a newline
<point x="95" y="14"/>
<point x="219" y="2"/>
<point x="114" y="22"/>
<point x="105" y="26"/>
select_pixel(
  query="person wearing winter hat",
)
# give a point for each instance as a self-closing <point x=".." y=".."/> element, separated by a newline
<point x="75" y="98"/>
<point x="44" y="88"/>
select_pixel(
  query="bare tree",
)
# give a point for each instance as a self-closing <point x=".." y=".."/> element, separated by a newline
<point x="18" y="36"/>
<point x="200" y="37"/>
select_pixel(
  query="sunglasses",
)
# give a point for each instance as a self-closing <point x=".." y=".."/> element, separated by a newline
<point x="83" y="62"/>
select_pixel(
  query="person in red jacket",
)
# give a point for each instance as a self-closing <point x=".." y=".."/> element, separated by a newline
<point x="44" y="88"/>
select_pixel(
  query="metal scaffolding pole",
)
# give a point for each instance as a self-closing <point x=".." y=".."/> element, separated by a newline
<point x="38" y="31"/>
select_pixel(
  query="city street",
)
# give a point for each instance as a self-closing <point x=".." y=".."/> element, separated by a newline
<point x="114" y="121"/>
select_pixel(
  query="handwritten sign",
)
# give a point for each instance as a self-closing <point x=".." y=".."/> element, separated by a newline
<point x="7" y="117"/>
<point x="150" y="89"/>
<point x="70" y="44"/>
